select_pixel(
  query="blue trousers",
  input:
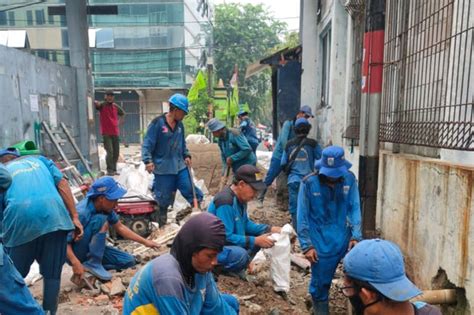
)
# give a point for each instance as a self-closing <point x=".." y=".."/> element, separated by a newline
<point x="322" y="273"/>
<point x="15" y="298"/>
<point x="293" y="189"/>
<point x="113" y="257"/>
<point x="235" y="258"/>
<point x="49" y="250"/>
<point x="232" y="301"/>
<point x="273" y="171"/>
<point x="165" y="186"/>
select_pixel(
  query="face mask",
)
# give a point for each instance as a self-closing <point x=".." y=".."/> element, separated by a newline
<point x="359" y="306"/>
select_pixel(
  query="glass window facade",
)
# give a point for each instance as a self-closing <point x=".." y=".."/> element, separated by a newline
<point x="142" y="46"/>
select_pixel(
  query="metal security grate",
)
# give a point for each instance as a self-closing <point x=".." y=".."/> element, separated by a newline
<point x="358" y="26"/>
<point x="428" y="88"/>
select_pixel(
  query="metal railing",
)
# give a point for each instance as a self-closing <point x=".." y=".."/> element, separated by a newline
<point x="428" y="87"/>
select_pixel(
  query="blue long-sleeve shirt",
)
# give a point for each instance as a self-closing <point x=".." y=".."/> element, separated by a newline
<point x="328" y="218"/>
<point x="235" y="146"/>
<point x="286" y="133"/>
<point x="240" y="230"/>
<point x="303" y="164"/>
<point x="250" y="132"/>
<point x="159" y="288"/>
<point x="165" y="147"/>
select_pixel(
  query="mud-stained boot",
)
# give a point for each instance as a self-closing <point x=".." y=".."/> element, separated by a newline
<point x="163" y="217"/>
<point x="96" y="253"/>
<point x="260" y="198"/>
<point x="320" y="307"/>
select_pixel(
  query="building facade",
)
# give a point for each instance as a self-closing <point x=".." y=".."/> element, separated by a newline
<point x="146" y="52"/>
<point x="425" y="123"/>
<point x="148" y="44"/>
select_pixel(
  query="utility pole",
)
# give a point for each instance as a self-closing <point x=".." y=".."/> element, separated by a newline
<point x="372" y="72"/>
<point x="77" y="27"/>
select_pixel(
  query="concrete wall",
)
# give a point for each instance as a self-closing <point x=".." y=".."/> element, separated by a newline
<point x="23" y="75"/>
<point x="333" y="17"/>
<point x="426" y="207"/>
<point x="331" y="120"/>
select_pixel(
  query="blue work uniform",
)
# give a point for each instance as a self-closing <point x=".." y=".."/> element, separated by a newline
<point x="166" y="148"/>
<point x="5" y="182"/>
<point x="250" y="133"/>
<point x="286" y="134"/>
<point x="159" y="288"/>
<point x="299" y="167"/>
<point x="15" y="298"/>
<point x="240" y="230"/>
<point x="235" y="146"/>
<point x="327" y="219"/>
<point x="92" y="222"/>
<point x="36" y="222"/>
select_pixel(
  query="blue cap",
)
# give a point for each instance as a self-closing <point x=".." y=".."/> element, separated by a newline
<point x="215" y="124"/>
<point x="242" y="112"/>
<point x="301" y="121"/>
<point x="332" y="163"/>
<point x="12" y="151"/>
<point x="380" y="263"/>
<point x="307" y="110"/>
<point x="108" y="187"/>
<point x="179" y="101"/>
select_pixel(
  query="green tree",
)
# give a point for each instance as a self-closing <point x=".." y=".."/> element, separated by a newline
<point x="290" y="40"/>
<point x="243" y="34"/>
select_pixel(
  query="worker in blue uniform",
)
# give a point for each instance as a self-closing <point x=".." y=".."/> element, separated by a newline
<point x="165" y="154"/>
<point x="235" y="149"/>
<point x="298" y="161"/>
<point x="243" y="236"/>
<point x="328" y="220"/>
<point x="15" y="298"/>
<point x="182" y="282"/>
<point x="38" y="213"/>
<point x="375" y="281"/>
<point x="96" y="213"/>
<point x="247" y="127"/>
<point x="286" y="134"/>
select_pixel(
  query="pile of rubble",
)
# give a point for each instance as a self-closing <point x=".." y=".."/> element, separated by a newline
<point x="256" y="295"/>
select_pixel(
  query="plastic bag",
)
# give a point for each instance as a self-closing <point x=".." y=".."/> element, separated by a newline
<point x="280" y="261"/>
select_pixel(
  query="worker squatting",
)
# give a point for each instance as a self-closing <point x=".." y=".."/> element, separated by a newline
<point x="40" y="222"/>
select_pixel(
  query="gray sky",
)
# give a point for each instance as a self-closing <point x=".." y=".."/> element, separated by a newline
<point x="287" y="10"/>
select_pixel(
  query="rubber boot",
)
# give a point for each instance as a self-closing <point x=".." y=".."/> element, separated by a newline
<point x="320" y="307"/>
<point x="163" y="217"/>
<point x="96" y="252"/>
<point x="51" y="295"/>
<point x="261" y="197"/>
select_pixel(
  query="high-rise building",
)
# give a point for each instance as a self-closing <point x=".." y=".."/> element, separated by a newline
<point x="148" y="44"/>
<point x="146" y="52"/>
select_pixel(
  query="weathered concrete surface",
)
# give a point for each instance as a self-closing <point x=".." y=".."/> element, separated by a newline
<point x="22" y="76"/>
<point x="426" y="206"/>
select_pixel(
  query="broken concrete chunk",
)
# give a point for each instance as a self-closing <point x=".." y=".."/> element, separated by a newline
<point x="117" y="287"/>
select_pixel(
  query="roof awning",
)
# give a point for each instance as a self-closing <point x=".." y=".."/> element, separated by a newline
<point x="277" y="58"/>
<point x="255" y="68"/>
<point x="14" y="39"/>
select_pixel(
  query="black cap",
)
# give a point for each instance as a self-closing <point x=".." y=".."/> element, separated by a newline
<point x="109" y="92"/>
<point x="250" y="175"/>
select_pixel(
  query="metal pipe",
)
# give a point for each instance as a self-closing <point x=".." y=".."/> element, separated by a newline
<point x="444" y="296"/>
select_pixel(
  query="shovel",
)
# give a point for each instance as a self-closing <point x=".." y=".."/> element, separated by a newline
<point x="195" y="201"/>
<point x="224" y="179"/>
